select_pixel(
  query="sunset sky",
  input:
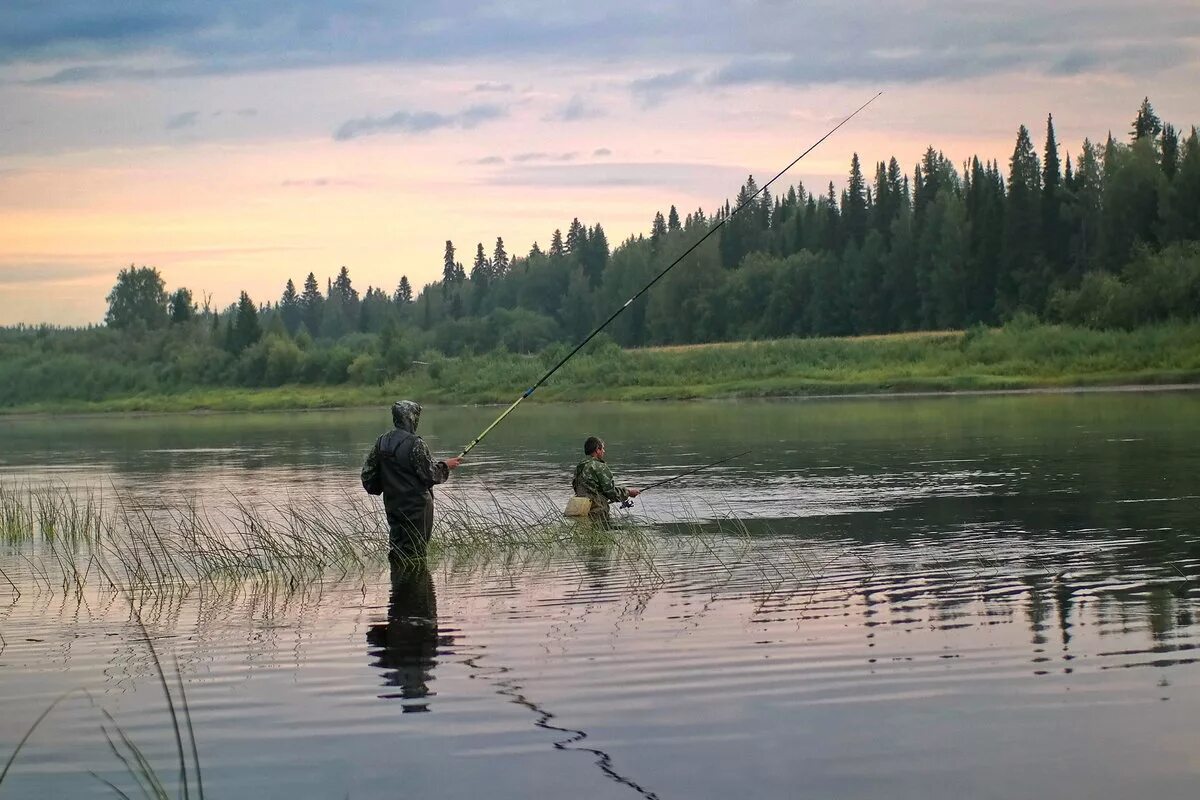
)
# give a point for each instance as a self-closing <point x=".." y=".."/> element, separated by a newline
<point x="235" y="145"/>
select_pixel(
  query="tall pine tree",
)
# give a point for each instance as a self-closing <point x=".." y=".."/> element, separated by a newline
<point x="290" y="310"/>
<point x="1018" y="281"/>
<point x="311" y="305"/>
<point x="1052" y="239"/>
<point x="854" y="209"/>
<point x="404" y="292"/>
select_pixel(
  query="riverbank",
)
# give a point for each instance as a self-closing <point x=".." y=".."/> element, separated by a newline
<point x="1027" y="357"/>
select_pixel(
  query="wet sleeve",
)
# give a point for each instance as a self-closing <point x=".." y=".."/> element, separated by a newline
<point x="608" y="487"/>
<point x="431" y="472"/>
<point x="370" y="472"/>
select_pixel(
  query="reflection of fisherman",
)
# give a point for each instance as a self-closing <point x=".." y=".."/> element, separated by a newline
<point x="401" y="468"/>
<point x="406" y="647"/>
<point x="594" y="480"/>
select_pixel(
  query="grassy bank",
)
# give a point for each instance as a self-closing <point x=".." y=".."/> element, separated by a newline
<point x="1015" y="357"/>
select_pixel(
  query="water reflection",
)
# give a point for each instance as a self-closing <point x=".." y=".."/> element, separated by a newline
<point x="407" y="645"/>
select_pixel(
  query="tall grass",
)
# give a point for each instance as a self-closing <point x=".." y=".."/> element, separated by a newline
<point x="66" y="541"/>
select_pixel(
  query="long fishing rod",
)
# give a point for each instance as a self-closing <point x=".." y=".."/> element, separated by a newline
<point x="629" y="503"/>
<point x="657" y="278"/>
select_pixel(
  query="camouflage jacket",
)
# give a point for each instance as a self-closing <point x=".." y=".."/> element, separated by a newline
<point x="594" y="480"/>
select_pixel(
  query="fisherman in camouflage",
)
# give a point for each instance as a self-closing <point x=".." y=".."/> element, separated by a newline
<point x="401" y="468"/>
<point x="594" y="480"/>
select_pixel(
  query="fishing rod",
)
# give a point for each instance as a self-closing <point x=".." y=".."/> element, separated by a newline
<point x="628" y="503"/>
<point x="657" y="278"/>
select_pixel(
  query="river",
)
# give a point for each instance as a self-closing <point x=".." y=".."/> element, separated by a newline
<point x="944" y="597"/>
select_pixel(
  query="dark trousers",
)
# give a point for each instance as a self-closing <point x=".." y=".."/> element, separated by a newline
<point x="599" y="516"/>
<point x="408" y="534"/>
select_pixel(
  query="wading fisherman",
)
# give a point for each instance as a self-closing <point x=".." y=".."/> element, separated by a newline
<point x="594" y="482"/>
<point x="401" y="468"/>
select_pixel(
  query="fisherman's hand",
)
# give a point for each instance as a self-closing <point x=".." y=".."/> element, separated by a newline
<point x="633" y="492"/>
<point x="453" y="463"/>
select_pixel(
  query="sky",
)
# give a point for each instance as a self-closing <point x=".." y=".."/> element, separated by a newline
<point x="235" y="145"/>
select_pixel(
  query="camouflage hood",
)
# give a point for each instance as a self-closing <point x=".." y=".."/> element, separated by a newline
<point x="406" y="414"/>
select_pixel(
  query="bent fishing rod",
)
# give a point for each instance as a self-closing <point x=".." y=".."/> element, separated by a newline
<point x="628" y="502"/>
<point x="656" y="279"/>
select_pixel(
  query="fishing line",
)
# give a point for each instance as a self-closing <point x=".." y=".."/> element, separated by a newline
<point x="628" y="503"/>
<point x="659" y="277"/>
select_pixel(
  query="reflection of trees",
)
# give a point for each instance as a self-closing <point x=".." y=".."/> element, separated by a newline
<point x="407" y="645"/>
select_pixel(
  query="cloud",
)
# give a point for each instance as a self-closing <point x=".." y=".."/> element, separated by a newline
<point x="684" y="176"/>
<point x="185" y="119"/>
<point x="76" y="74"/>
<point x="486" y="161"/>
<point x="524" y="158"/>
<point x="846" y="41"/>
<point x="64" y="27"/>
<point x="652" y="91"/>
<point x="45" y="273"/>
<point x="953" y="62"/>
<point x="418" y="122"/>
<point x="575" y="110"/>
<point x="600" y="152"/>
<point x="317" y="183"/>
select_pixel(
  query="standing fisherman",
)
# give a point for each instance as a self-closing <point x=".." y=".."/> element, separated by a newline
<point x="401" y="468"/>
<point x="594" y="482"/>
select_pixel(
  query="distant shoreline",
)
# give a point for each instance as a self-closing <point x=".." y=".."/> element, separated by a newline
<point x="1017" y="359"/>
<point x="247" y="394"/>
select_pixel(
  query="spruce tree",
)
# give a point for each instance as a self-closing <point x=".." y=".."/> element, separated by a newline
<point x="984" y="202"/>
<point x="343" y="289"/>
<point x="556" y="244"/>
<point x="1022" y="225"/>
<point x="244" y="329"/>
<point x="1170" y="151"/>
<point x="343" y="294"/>
<point x="448" y="273"/>
<point x="499" y="259"/>
<point x="673" y="219"/>
<point x="404" y="292"/>
<point x="183" y="307"/>
<point x="596" y="257"/>
<point x="831" y="223"/>
<point x="1181" y="207"/>
<point x="576" y="238"/>
<point x="1052" y="239"/>
<point x="854" y="207"/>
<point x="1146" y="124"/>
<point x="290" y="310"/>
<point x="1083" y="248"/>
<point x="481" y="269"/>
<point x="658" y="228"/>
<point x="311" y="304"/>
<point x="1133" y="188"/>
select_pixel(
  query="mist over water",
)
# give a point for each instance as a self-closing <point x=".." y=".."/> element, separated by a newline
<point x="943" y="597"/>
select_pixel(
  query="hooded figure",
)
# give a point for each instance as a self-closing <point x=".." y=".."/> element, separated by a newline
<point x="401" y="468"/>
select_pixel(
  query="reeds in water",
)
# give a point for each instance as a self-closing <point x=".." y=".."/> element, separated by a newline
<point x="67" y="540"/>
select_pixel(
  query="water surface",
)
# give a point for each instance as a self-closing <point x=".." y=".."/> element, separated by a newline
<point x="943" y="597"/>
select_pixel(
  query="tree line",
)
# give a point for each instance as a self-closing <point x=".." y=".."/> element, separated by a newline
<point x="1106" y="238"/>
